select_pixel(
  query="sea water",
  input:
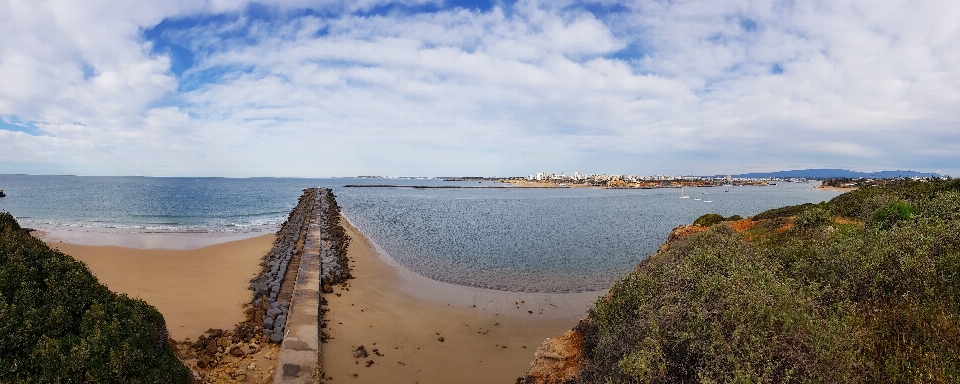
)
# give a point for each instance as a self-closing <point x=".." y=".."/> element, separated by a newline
<point x="522" y="239"/>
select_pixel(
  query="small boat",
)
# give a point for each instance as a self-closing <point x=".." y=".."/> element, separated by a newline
<point x="683" y="195"/>
<point x="697" y="199"/>
<point x="1" y="193"/>
<point x="707" y="201"/>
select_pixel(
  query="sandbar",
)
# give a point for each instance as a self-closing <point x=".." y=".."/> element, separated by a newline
<point x="195" y="289"/>
<point x="433" y="332"/>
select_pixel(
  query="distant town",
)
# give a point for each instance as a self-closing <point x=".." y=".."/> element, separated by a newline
<point x="634" y="181"/>
<point x="577" y="179"/>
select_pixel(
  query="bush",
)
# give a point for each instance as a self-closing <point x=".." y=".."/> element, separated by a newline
<point x="787" y="211"/>
<point x="875" y="303"/>
<point x="713" y="218"/>
<point x="708" y="219"/>
<point x="813" y="217"/>
<point x="887" y="217"/>
<point x="58" y="324"/>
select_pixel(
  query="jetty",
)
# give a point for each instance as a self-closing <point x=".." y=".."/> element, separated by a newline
<point x="308" y="257"/>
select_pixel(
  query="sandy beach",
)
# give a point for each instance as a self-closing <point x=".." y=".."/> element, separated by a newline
<point x="423" y="331"/>
<point x="433" y="332"/>
<point x="194" y="289"/>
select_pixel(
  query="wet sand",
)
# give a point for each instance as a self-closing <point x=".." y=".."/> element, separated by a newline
<point x="144" y="240"/>
<point x="487" y="336"/>
<point x="194" y="289"/>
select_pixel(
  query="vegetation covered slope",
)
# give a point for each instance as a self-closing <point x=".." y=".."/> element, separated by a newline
<point x="864" y="288"/>
<point x="58" y="324"/>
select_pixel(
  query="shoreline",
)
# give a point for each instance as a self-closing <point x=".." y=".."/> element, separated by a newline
<point x="428" y="331"/>
<point x="169" y="240"/>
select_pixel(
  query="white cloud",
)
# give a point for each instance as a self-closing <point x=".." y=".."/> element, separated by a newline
<point x="660" y="87"/>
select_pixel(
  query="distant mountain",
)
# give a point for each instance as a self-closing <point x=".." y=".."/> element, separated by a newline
<point x="829" y="173"/>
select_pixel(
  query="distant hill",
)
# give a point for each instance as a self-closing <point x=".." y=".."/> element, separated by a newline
<point x="829" y="173"/>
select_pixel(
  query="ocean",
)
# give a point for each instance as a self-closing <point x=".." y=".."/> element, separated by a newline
<point x="518" y="239"/>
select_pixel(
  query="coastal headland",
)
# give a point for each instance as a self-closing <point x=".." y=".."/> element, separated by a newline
<point x="846" y="290"/>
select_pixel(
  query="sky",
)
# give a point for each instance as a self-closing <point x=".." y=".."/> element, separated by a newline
<point x="326" y="88"/>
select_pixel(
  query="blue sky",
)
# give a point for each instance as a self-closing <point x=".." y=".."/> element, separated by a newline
<point x="335" y="88"/>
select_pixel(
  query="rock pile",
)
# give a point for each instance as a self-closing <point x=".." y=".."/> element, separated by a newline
<point x="227" y="356"/>
<point x="333" y="243"/>
<point x="215" y="345"/>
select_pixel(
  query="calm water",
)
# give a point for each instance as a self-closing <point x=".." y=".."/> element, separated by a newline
<point x="554" y="240"/>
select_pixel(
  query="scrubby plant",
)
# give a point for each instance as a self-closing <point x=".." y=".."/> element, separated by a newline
<point x="813" y="217"/>
<point x="58" y="324"/>
<point x="874" y="303"/>
<point x="888" y="216"/>
<point x="787" y="211"/>
<point x="708" y="219"/>
<point x="714" y="218"/>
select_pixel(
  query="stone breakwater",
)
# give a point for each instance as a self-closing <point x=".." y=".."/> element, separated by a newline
<point x="308" y="254"/>
<point x="333" y="242"/>
<point x="314" y="224"/>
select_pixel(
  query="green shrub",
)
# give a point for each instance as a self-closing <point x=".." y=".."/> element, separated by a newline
<point x="775" y="213"/>
<point x="713" y="218"/>
<point x="888" y="216"/>
<point x="812" y="218"/>
<point x="58" y="324"/>
<point x="708" y="219"/>
<point x="850" y="304"/>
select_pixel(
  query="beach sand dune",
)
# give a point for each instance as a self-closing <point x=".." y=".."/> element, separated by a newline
<point x="194" y="289"/>
<point x="433" y="332"/>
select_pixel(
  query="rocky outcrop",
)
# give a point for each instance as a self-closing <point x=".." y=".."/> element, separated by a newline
<point x="684" y="231"/>
<point x="559" y="360"/>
